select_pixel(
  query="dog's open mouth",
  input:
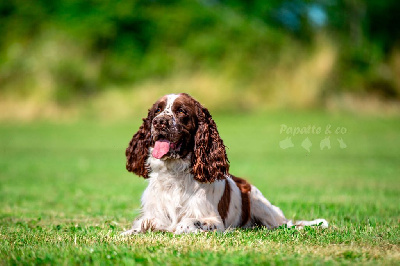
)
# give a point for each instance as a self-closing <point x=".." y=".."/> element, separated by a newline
<point x="162" y="147"/>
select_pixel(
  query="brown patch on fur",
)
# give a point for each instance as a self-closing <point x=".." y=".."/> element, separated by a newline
<point x="147" y="225"/>
<point x="245" y="189"/>
<point x="138" y="149"/>
<point x="209" y="160"/>
<point x="223" y="204"/>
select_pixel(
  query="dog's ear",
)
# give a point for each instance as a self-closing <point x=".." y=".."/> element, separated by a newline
<point x="138" y="149"/>
<point x="209" y="159"/>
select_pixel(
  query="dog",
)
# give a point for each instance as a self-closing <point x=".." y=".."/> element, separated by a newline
<point x="190" y="190"/>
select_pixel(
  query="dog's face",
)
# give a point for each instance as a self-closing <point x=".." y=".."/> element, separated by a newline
<point x="173" y="127"/>
<point x="179" y="127"/>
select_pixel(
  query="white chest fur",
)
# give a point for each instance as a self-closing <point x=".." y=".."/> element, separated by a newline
<point x="173" y="194"/>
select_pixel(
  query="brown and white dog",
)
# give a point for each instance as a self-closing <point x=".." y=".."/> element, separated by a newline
<point x="179" y="150"/>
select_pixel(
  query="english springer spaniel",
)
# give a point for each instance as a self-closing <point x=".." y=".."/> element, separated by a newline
<point x="178" y="149"/>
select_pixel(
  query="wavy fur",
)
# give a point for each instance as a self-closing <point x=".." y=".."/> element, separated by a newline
<point x="209" y="161"/>
<point x="138" y="149"/>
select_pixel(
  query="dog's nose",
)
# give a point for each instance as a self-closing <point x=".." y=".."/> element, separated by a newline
<point x="160" y="122"/>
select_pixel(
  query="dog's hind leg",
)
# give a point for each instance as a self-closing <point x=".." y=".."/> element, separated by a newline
<point x="263" y="212"/>
<point x="301" y="224"/>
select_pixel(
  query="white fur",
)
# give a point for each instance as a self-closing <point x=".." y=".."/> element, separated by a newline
<point x="168" y="108"/>
<point x="175" y="202"/>
<point x="301" y="224"/>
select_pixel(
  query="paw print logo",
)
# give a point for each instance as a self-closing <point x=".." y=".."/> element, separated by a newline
<point x="286" y="143"/>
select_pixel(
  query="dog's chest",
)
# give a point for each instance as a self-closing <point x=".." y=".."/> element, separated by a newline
<point x="174" y="194"/>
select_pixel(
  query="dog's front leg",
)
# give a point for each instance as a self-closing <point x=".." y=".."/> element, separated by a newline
<point x="142" y="225"/>
<point x="194" y="225"/>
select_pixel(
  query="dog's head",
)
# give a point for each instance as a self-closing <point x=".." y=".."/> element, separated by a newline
<point x="178" y="126"/>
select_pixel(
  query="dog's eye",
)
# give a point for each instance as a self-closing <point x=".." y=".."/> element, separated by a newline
<point x="181" y="111"/>
<point x="158" y="110"/>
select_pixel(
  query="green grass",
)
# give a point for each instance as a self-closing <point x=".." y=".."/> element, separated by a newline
<point x="65" y="194"/>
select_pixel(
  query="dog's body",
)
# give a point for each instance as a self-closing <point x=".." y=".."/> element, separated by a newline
<point x="190" y="189"/>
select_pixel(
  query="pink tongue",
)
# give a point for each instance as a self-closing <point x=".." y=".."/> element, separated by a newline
<point x="160" y="149"/>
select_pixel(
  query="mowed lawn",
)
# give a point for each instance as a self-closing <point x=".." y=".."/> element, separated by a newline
<point x="65" y="195"/>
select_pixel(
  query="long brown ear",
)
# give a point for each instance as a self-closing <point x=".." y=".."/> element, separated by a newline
<point x="209" y="161"/>
<point x="138" y="149"/>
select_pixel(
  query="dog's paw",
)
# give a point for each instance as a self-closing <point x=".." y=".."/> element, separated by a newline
<point x="196" y="226"/>
<point x="188" y="226"/>
<point x="130" y="232"/>
<point x="207" y="226"/>
<point x="322" y="223"/>
<point x="148" y="225"/>
<point x="143" y="226"/>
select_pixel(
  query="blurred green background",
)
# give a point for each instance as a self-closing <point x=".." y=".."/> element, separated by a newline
<point x="111" y="59"/>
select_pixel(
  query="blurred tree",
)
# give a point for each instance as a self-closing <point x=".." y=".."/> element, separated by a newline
<point x="102" y="42"/>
